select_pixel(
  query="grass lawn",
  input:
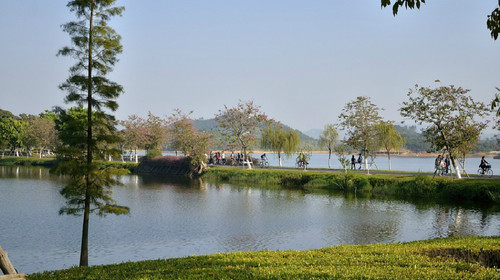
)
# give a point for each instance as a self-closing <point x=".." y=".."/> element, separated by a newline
<point x="450" y="258"/>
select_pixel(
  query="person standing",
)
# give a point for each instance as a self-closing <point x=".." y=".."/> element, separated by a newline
<point x="360" y="160"/>
<point x="447" y="163"/>
<point x="437" y="165"/>
<point x="353" y="162"/>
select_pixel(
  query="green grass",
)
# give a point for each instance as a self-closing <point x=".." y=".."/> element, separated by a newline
<point x="50" y="162"/>
<point x="402" y="186"/>
<point x="24" y="161"/>
<point x="451" y="258"/>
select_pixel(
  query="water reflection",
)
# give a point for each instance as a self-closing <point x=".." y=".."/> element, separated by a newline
<point x="172" y="217"/>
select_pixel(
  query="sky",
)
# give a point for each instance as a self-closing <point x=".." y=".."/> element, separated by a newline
<point x="301" y="61"/>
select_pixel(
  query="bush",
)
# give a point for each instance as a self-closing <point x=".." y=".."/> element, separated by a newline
<point x="153" y="153"/>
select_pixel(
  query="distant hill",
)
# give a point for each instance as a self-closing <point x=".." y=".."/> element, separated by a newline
<point x="211" y="125"/>
<point x="415" y="141"/>
<point x="314" y="133"/>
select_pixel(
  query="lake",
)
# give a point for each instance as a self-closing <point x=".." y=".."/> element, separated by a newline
<point x="175" y="218"/>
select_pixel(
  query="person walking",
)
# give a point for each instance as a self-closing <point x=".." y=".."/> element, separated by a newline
<point x="353" y="162"/>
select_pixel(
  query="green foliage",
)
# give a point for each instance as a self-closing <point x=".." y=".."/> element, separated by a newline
<point x="493" y="22"/>
<point x="409" y="4"/>
<point x="212" y="126"/>
<point x="188" y="140"/>
<point x="94" y="46"/>
<point x="12" y="133"/>
<point x="359" y="118"/>
<point x="239" y="124"/>
<point x="388" y="137"/>
<point x="72" y="126"/>
<point x="449" y="258"/>
<point x="13" y="161"/>
<point x="420" y="186"/>
<point x="345" y="162"/>
<point x="328" y="139"/>
<point x="134" y="133"/>
<point x="152" y="153"/>
<point x="449" y="114"/>
<point x="155" y="132"/>
<point x="100" y="189"/>
<point x="279" y="140"/>
<point x="414" y="141"/>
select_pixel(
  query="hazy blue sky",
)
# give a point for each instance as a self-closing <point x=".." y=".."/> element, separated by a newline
<point x="302" y="61"/>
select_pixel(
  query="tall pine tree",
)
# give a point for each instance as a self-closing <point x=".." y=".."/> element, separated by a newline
<point x="95" y="46"/>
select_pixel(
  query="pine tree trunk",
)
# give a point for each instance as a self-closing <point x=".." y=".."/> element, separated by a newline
<point x="84" y="253"/>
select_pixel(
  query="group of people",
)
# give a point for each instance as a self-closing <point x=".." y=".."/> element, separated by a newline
<point x="442" y="165"/>
<point x="301" y="160"/>
<point x="217" y="158"/>
<point x="358" y="161"/>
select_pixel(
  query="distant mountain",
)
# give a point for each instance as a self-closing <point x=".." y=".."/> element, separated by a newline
<point x="314" y="133"/>
<point x="205" y="125"/>
<point x="211" y="125"/>
<point x="303" y="137"/>
<point x="415" y="141"/>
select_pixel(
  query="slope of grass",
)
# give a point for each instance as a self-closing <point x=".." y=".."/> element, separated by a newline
<point x="451" y="258"/>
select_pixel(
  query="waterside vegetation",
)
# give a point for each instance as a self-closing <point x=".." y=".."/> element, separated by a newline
<point x="421" y="186"/>
<point x="126" y="167"/>
<point x="400" y="186"/>
<point x="449" y="258"/>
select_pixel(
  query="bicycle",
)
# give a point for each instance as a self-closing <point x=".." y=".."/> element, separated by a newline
<point x="486" y="171"/>
<point x="264" y="164"/>
<point x="300" y="164"/>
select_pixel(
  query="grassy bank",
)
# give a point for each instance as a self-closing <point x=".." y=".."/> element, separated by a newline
<point x="50" y="162"/>
<point x="24" y="161"/>
<point x="402" y="186"/>
<point x="451" y="258"/>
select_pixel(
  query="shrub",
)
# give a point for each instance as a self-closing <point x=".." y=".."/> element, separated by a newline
<point x="153" y="153"/>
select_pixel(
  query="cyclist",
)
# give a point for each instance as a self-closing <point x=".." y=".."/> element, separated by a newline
<point x="484" y="164"/>
<point x="302" y="160"/>
<point x="263" y="158"/>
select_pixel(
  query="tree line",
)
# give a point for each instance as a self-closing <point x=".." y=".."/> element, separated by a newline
<point x="245" y="127"/>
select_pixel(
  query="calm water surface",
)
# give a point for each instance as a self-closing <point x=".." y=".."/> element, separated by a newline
<point x="181" y="218"/>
